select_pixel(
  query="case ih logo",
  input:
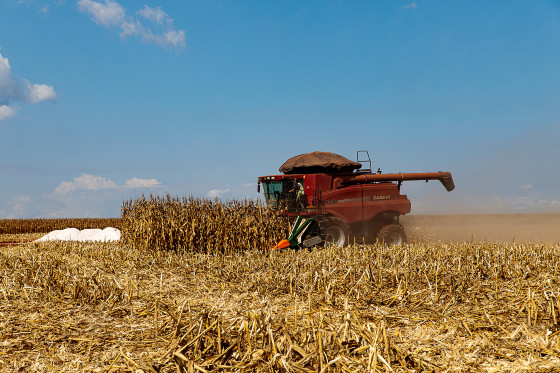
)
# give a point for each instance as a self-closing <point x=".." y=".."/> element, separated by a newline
<point x="376" y="198"/>
<point x="347" y="200"/>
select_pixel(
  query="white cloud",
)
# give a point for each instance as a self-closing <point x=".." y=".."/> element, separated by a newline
<point x="109" y="14"/>
<point x="249" y="185"/>
<point x="12" y="90"/>
<point x="39" y="92"/>
<point x="155" y="15"/>
<point x="159" y="28"/>
<point x="217" y="193"/>
<point x="410" y="6"/>
<point x="525" y="186"/>
<point x="502" y="204"/>
<point x="546" y="203"/>
<point x="90" y="196"/>
<point x="92" y="182"/>
<point x="7" y="112"/>
<point x="85" y="181"/>
<point x="141" y="183"/>
<point x="171" y="38"/>
<point x="9" y="89"/>
<point x="20" y="204"/>
<point x="463" y="203"/>
<point x="17" y="209"/>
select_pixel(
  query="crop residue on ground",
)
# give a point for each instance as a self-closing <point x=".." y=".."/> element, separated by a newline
<point x="424" y="307"/>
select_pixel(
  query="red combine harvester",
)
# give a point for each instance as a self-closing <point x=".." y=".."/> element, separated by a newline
<point x="331" y="200"/>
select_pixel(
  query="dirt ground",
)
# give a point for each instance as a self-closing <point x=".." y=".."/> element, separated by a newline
<point x="533" y="228"/>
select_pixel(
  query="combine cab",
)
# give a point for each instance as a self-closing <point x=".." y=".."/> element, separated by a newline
<point x="331" y="200"/>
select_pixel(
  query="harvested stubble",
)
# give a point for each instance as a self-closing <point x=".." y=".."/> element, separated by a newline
<point x="19" y="238"/>
<point x="447" y="308"/>
<point x="195" y="224"/>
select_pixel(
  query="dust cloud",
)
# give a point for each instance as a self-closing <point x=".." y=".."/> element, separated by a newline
<point x="529" y="228"/>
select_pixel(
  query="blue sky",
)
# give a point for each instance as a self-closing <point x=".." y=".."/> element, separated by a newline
<point x="101" y="101"/>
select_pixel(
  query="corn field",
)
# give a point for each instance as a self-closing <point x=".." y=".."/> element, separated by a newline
<point x="190" y="289"/>
<point x="199" y="225"/>
<point x="21" y="226"/>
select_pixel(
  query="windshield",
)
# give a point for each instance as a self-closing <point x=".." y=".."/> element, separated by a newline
<point x="285" y="194"/>
<point x="272" y="192"/>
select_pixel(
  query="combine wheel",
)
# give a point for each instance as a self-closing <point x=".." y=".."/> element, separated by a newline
<point x="336" y="232"/>
<point x="392" y="234"/>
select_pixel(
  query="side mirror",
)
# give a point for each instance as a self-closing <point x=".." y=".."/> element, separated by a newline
<point x="259" y="187"/>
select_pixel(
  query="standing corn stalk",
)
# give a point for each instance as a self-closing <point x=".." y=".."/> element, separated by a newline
<point x="201" y="225"/>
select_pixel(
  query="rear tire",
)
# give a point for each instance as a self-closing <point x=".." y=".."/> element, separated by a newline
<point x="392" y="234"/>
<point x="336" y="232"/>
